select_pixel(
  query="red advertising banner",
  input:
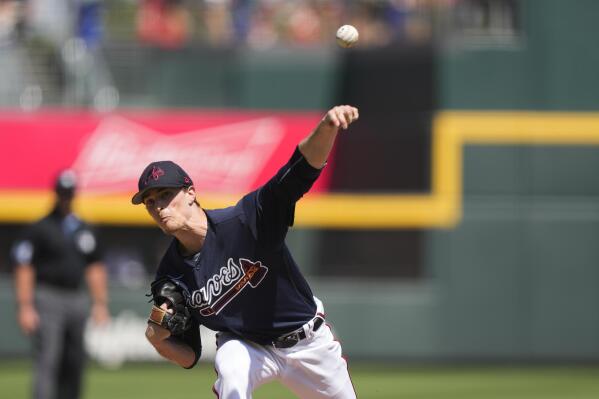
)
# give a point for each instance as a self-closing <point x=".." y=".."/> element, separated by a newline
<point x="225" y="152"/>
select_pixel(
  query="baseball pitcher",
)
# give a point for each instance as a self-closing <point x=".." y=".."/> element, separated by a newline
<point x="230" y="270"/>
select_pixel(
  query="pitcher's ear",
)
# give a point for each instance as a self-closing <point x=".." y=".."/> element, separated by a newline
<point x="192" y="190"/>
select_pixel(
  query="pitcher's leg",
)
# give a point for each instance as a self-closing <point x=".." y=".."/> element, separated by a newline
<point x="241" y="367"/>
<point x="316" y="369"/>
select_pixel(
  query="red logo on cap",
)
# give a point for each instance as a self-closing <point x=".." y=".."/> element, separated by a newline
<point x="155" y="174"/>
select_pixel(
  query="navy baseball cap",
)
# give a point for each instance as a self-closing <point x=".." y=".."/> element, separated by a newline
<point x="160" y="174"/>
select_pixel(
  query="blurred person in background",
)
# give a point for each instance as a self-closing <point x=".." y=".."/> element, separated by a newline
<point x="304" y="25"/>
<point x="16" y="74"/>
<point x="409" y="20"/>
<point x="164" y="24"/>
<point x="311" y="23"/>
<point x="217" y="18"/>
<point x="52" y="259"/>
<point x="263" y="32"/>
<point x="225" y="22"/>
<point x="65" y="39"/>
<point x="89" y="81"/>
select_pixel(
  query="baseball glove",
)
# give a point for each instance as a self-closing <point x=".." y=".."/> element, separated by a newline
<point x="164" y="290"/>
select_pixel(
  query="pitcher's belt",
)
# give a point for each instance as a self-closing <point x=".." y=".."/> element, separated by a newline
<point x="292" y="338"/>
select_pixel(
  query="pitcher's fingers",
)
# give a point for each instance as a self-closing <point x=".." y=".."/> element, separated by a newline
<point x="332" y="117"/>
<point x="342" y="118"/>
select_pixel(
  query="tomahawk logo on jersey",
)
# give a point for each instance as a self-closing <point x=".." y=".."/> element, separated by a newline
<point x="220" y="289"/>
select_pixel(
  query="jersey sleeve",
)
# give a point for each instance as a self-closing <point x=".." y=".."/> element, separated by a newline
<point x="275" y="201"/>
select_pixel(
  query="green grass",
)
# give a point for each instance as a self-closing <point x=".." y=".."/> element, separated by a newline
<point x="161" y="381"/>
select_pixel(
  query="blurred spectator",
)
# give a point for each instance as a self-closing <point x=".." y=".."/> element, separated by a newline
<point x="13" y="57"/>
<point x="52" y="20"/>
<point x="304" y="24"/>
<point x="218" y="22"/>
<point x="65" y="38"/>
<point x="163" y="23"/>
<point x="53" y="258"/>
<point x="90" y="79"/>
<point x="11" y="21"/>
<point x="368" y="18"/>
<point x="268" y="23"/>
<point x="65" y="61"/>
<point x="407" y="20"/>
<point x="262" y="32"/>
<point x="241" y="11"/>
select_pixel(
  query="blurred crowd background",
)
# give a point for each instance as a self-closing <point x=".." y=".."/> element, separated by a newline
<point x="55" y="50"/>
<point x="474" y="162"/>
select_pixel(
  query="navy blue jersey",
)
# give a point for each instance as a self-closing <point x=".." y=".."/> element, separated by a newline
<point x="245" y="280"/>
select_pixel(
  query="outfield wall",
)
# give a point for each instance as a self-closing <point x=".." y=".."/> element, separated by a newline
<point x="520" y="270"/>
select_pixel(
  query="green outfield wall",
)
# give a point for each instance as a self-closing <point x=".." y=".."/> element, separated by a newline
<point x="518" y="275"/>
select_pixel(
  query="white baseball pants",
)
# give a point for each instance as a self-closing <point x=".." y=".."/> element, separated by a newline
<point x="313" y="368"/>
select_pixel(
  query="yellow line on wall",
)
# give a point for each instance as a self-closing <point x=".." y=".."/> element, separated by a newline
<point x="439" y="209"/>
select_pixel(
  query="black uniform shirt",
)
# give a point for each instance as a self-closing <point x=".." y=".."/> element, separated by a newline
<point x="245" y="280"/>
<point x="59" y="248"/>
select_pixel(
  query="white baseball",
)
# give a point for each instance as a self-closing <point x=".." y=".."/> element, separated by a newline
<point x="347" y="36"/>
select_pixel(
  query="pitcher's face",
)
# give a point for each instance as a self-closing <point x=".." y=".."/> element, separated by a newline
<point x="170" y="207"/>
